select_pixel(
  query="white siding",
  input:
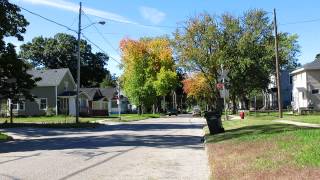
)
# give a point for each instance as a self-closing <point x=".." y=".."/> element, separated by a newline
<point x="299" y="90"/>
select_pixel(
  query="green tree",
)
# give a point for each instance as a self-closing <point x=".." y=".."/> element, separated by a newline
<point x="109" y="81"/>
<point x="60" y="52"/>
<point x="148" y="70"/>
<point x="15" y="82"/>
<point x="166" y="81"/>
<point x="249" y="54"/>
<point x="198" y="49"/>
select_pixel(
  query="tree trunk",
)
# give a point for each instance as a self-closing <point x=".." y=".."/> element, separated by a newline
<point x="164" y="104"/>
<point x="153" y="109"/>
<point x="234" y="105"/>
<point x="139" y="109"/>
<point x="11" y="114"/>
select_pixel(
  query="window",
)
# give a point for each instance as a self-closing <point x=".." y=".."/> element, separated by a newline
<point x="66" y="85"/>
<point x="43" y="104"/>
<point x="315" y="91"/>
<point x="83" y="103"/>
<point x="114" y="104"/>
<point x="104" y="105"/>
<point x="21" y="106"/>
<point x="290" y="79"/>
<point x="95" y="105"/>
<point x="14" y="106"/>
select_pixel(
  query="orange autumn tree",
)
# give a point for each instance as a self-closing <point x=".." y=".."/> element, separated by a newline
<point x="197" y="87"/>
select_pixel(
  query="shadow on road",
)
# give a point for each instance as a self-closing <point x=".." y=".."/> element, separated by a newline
<point x="38" y="132"/>
<point x="96" y="142"/>
<point x="88" y="140"/>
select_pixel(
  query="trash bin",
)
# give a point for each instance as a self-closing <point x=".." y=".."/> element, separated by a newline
<point x="213" y="119"/>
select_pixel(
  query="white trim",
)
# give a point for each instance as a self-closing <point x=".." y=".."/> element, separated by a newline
<point x="39" y="103"/>
<point x="297" y="71"/>
<point x="24" y="106"/>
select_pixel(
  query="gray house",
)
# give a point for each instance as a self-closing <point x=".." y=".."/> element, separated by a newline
<point x="51" y="94"/>
<point x="56" y="94"/>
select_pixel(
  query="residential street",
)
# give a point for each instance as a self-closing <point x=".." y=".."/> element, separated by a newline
<point x="164" y="148"/>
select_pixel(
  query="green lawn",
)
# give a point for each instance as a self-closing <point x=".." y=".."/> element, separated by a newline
<point x="69" y="119"/>
<point x="259" y="147"/>
<point x="310" y="118"/>
<point x="4" y="137"/>
<point x="49" y="119"/>
<point x="132" y="117"/>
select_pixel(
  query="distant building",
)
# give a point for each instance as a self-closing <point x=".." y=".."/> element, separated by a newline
<point x="271" y="99"/>
<point x="306" y="87"/>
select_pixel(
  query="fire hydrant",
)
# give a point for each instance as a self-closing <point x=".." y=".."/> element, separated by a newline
<point x="241" y="115"/>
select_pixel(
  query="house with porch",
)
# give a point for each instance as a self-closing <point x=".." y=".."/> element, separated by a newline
<point x="56" y="94"/>
<point x="306" y="87"/>
<point x="53" y="83"/>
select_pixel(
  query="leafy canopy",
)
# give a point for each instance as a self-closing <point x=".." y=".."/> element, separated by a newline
<point x="149" y="69"/>
<point x="61" y="52"/>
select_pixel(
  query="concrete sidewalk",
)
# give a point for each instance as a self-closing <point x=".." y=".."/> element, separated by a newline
<point x="302" y="124"/>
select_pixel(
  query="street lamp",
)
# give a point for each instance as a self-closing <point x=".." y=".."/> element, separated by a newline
<point x="78" y="60"/>
<point x="99" y="22"/>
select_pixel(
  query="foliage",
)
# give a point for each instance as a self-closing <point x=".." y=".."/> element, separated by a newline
<point x="61" y="52"/>
<point x="166" y="81"/>
<point x="196" y="86"/>
<point x="109" y="81"/>
<point x="148" y="69"/>
<point x="197" y="48"/>
<point x="243" y="46"/>
<point x="15" y="82"/>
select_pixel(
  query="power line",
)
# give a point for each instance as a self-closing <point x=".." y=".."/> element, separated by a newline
<point x="103" y="37"/>
<point x="301" y="22"/>
<point x="94" y="44"/>
<point x="68" y="28"/>
<point x="47" y="19"/>
<point x="138" y="24"/>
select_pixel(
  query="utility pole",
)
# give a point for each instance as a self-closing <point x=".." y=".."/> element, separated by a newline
<point x="119" y="100"/>
<point x="78" y="66"/>
<point x="277" y="63"/>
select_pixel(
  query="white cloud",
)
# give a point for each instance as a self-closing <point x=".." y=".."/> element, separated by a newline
<point x="63" y="4"/>
<point x="153" y="15"/>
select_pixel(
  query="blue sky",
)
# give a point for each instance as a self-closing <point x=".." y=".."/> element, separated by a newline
<point x="128" y="19"/>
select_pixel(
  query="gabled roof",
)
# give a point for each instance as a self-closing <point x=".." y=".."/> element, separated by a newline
<point x="98" y="93"/>
<point x="314" y="65"/>
<point x="92" y="93"/>
<point x="49" y="77"/>
<point x="108" y="92"/>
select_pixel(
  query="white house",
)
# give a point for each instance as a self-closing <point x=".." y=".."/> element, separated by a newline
<point x="306" y="87"/>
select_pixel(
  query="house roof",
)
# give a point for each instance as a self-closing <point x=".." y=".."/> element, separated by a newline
<point x="91" y="92"/>
<point x="68" y="93"/>
<point x="49" y="77"/>
<point x="108" y="92"/>
<point x="99" y="93"/>
<point x="314" y="65"/>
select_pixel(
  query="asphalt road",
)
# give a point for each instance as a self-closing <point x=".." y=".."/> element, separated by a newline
<point x="164" y="148"/>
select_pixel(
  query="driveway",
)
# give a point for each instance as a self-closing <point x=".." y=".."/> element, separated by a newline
<point x="163" y="148"/>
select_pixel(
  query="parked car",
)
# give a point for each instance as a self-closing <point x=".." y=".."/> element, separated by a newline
<point x="172" y="112"/>
<point x="196" y="112"/>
